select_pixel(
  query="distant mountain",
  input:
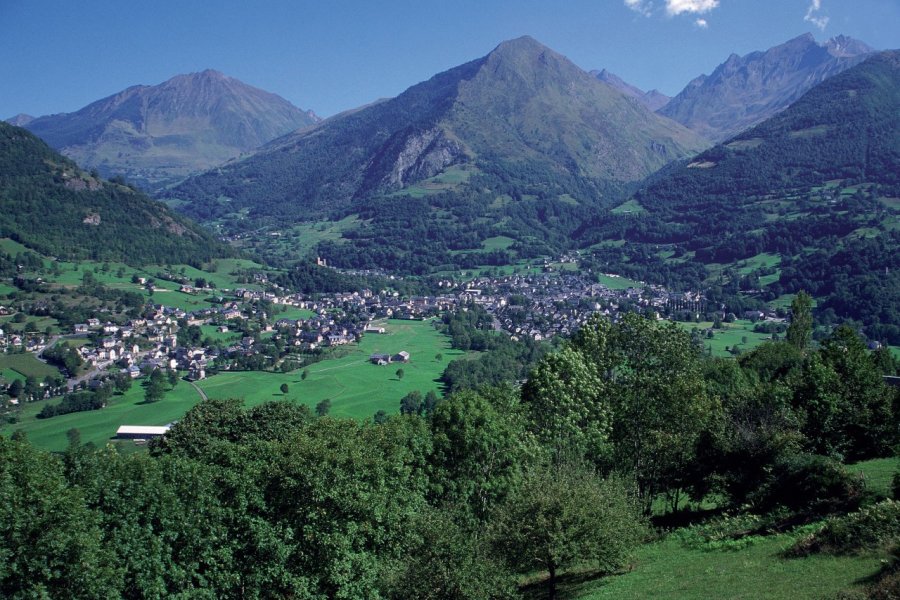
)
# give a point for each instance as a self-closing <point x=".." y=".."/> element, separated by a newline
<point x="809" y="196"/>
<point x="47" y="203"/>
<point x="654" y="99"/>
<point x="746" y="90"/>
<point x="20" y="120"/>
<point x="523" y="116"/>
<point x="154" y="135"/>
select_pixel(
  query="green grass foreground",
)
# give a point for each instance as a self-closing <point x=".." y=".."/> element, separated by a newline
<point x="668" y="569"/>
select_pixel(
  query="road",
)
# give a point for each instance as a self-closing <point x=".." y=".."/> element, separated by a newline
<point x="203" y="395"/>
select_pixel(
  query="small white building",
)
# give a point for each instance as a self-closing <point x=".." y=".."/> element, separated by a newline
<point x="141" y="432"/>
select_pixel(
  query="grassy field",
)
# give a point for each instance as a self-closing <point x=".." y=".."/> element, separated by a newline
<point x="293" y="313"/>
<point x="617" y="282"/>
<point x="211" y="331"/>
<point x="730" y="335"/>
<point x="27" y="365"/>
<point x="631" y="207"/>
<point x="7" y="376"/>
<point x="499" y="242"/>
<point x="878" y="473"/>
<point x="99" y="426"/>
<point x="356" y="387"/>
<point x="668" y="569"/>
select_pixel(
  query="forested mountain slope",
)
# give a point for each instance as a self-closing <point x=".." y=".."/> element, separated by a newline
<point x="816" y="186"/>
<point x="52" y="206"/>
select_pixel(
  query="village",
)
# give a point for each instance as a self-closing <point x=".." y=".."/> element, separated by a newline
<point x="250" y="334"/>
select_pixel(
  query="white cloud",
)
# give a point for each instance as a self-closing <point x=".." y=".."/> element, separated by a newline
<point x="677" y="7"/>
<point x="645" y="7"/>
<point x="819" y="21"/>
<point x="701" y="23"/>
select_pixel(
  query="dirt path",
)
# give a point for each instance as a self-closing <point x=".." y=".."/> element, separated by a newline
<point x="203" y="395"/>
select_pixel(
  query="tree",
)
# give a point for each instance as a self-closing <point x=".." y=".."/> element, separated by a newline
<point x="563" y="398"/>
<point x="448" y="562"/>
<point x="323" y="407"/>
<point x="479" y="450"/>
<point x="865" y="416"/>
<point x="652" y="386"/>
<point x="559" y="517"/>
<point x="155" y="387"/>
<point x="439" y="357"/>
<point x="32" y="387"/>
<point x="411" y="404"/>
<point x="304" y="374"/>
<point x="799" y="331"/>
<point x="431" y="401"/>
<point x="400" y="373"/>
<point x="284" y="388"/>
<point x="123" y="382"/>
<point x="50" y="542"/>
<point x="15" y="388"/>
<point x="172" y="377"/>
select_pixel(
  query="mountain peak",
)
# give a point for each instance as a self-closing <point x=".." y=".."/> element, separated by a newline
<point x="523" y="42"/>
<point x="522" y="104"/>
<point x="745" y="90"/>
<point x="160" y="133"/>
<point x="654" y="99"/>
<point x="846" y="46"/>
<point x="20" y="120"/>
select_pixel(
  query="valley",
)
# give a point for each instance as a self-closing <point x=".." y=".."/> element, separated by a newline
<point x="521" y="330"/>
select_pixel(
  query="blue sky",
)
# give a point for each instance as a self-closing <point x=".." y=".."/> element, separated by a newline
<point x="57" y="56"/>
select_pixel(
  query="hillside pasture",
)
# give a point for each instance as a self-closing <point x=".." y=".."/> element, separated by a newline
<point x="27" y="366"/>
<point x="356" y="387"/>
<point x="99" y="426"/>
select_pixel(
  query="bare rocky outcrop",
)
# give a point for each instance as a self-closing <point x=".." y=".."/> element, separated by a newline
<point x="424" y="155"/>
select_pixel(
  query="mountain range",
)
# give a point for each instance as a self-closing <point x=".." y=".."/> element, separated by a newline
<point x="805" y="200"/>
<point x="523" y="111"/>
<point x="746" y="90"/>
<point x="154" y="135"/>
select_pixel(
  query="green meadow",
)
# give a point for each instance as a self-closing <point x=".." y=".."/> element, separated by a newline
<point x="669" y="569"/>
<point x="615" y="282"/>
<point x="729" y="336"/>
<point x="26" y="365"/>
<point x="99" y="426"/>
<point x="356" y="387"/>
<point x="673" y="568"/>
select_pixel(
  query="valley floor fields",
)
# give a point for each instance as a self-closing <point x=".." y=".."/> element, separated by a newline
<point x="356" y="388"/>
<point x="739" y="333"/>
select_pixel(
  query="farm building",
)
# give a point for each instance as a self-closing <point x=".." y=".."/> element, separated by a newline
<point x="380" y="359"/>
<point x="141" y="432"/>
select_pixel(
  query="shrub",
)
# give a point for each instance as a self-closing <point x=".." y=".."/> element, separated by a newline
<point x="874" y="527"/>
<point x="811" y="485"/>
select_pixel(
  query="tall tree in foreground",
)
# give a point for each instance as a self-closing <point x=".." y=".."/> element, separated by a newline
<point x="50" y="544"/>
<point x="652" y="383"/>
<point x="560" y="517"/>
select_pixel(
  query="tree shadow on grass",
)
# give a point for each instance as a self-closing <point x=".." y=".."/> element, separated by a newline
<point x="569" y="585"/>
